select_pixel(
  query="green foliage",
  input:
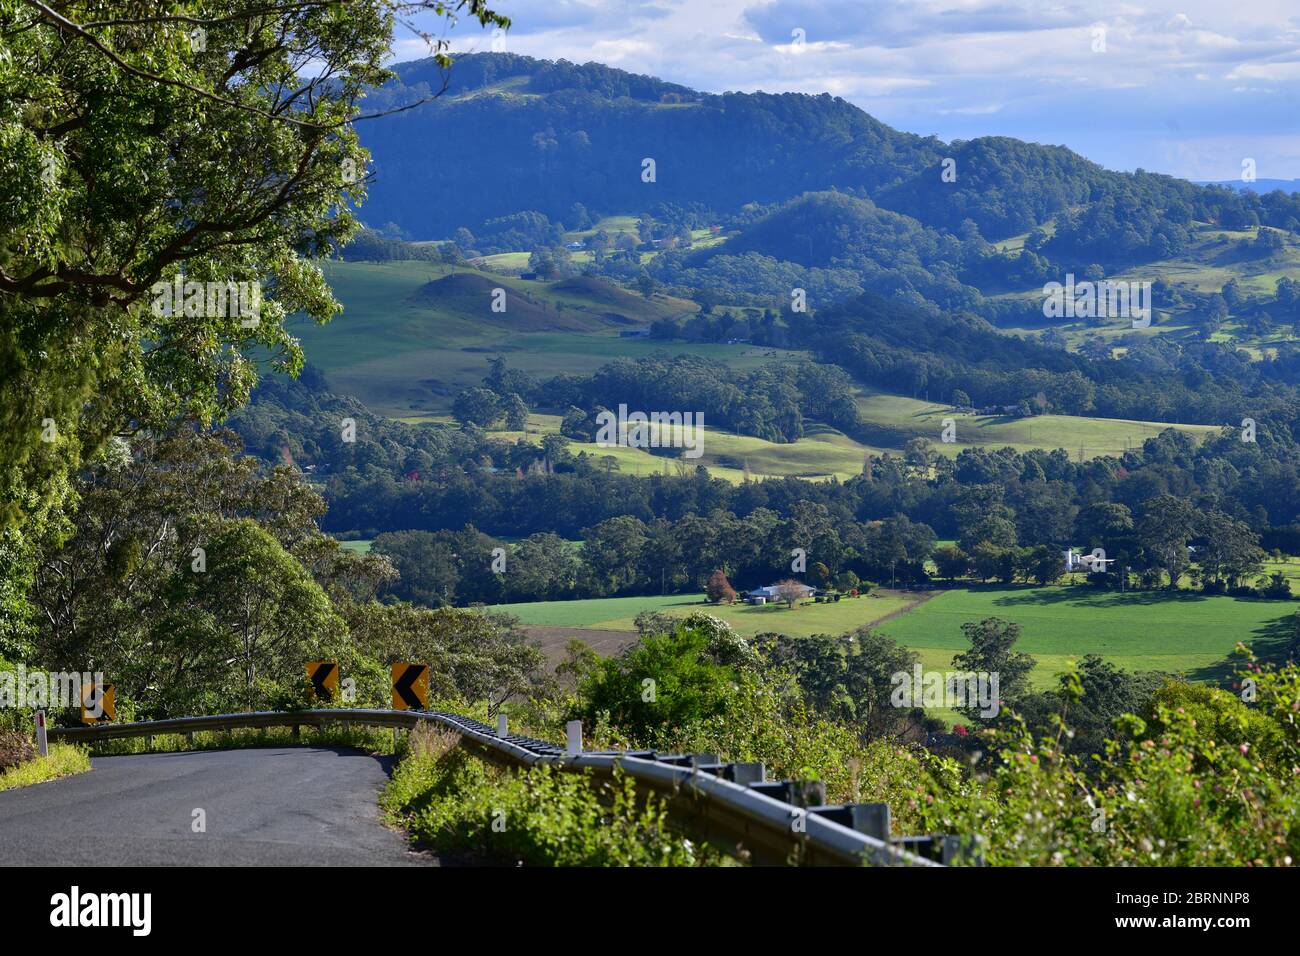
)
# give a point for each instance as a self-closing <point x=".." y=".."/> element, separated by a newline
<point x="848" y="678"/>
<point x="192" y="581"/>
<point x="1204" y="780"/>
<point x="1092" y="697"/>
<point x="769" y="720"/>
<point x="16" y="570"/>
<point x="472" y="657"/>
<point x="1166" y="796"/>
<point x="136" y="158"/>
<point x="664" y="681"/>
<point x="1220" y="716"/>
<point x="453" y="802"/>
<point x="477" y="406"/>
<point x="256" y="606"/>
<point x="770" y="402"/>
<point x="990" y="652"/>
<point x="199" y="585"/>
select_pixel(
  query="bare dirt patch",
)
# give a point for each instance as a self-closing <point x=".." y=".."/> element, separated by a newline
<point x="553" y="640"/>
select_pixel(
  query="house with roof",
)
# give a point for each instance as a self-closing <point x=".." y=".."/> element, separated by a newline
<point x="771" y="594"/>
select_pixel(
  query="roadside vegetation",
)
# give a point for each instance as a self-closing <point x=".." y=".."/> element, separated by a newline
<point x="22" y="766"/>
<point x="455" y="803"/>
<point x="1107" y="767"/>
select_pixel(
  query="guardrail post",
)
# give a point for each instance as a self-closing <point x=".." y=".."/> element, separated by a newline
<point x="42" y="740"/>
<point x="189" y="737"/>
<point x="873" y="820"/>
<point x="501" y="725"/>
<point x="869" y="818"/>
<point x="573" y="731"/>
<point x="296" y="733"/>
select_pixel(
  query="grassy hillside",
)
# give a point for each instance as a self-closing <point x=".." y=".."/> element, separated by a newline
<point x="409" y="339"/>
<point x="824" y="452"/>
<point x="413" y="334"/>
<point x="1182" y="633"/>
<point x="910" y="417"/>
<point x="1186" y="634"/>
<point x="1215" y="258"/>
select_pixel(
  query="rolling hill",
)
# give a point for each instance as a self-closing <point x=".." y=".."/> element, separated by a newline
<point x="809" y="181"/>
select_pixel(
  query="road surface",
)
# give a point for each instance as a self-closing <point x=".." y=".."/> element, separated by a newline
<point x="293" y="806"/>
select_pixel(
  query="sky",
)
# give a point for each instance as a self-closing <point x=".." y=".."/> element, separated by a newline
<point x="1193" y="88"/>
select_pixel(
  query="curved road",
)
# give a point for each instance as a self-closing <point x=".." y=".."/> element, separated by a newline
<point x="293" y="806"/>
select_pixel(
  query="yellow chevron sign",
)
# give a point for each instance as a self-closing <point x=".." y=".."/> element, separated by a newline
<point x="410" y="686"/>
<point x="324" y="677"/>
<point x="98" y="703"/>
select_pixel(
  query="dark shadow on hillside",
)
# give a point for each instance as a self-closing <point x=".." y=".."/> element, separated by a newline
<point x="1269" y="642"/>
<point x="1096" y="598"/>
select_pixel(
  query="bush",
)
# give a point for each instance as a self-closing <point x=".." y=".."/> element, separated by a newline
<point x="663" y="681"/>
<point x="15" y="749"/>
<point x="719" y="589"/>
<point x="1275" y="587"/>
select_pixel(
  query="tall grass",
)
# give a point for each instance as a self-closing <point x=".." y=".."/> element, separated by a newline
<point x="374" y="739"/>
<point x="63" y="761"/>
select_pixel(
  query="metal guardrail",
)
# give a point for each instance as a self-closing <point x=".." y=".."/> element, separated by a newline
<point x="730" y="803"/>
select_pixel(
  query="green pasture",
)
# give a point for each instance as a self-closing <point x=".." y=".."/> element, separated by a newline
<point x="1182" y="633"/>
<point x="619" y="614"/>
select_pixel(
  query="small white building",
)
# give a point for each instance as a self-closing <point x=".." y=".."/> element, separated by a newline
<point x="1094" y="562"/>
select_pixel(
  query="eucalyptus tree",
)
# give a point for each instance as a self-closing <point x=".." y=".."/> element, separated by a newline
<point x="148" y="143"/>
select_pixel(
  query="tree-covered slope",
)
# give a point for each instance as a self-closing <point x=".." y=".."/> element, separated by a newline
<point x="562" y="134"/>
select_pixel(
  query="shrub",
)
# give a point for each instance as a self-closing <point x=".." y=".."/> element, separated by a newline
<point x="665" y="680"/>
<point x="453" y="802"/>
<point x="15" y="749"/>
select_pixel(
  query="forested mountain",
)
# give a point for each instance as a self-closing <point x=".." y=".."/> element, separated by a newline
<point x="807" y="191"/>
<point x="886" y="252"/>
<point x="564" y="133"/>
<point x="1003" y="185"/>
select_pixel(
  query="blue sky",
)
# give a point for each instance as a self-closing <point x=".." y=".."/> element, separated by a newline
<point x="1188" y="87"/>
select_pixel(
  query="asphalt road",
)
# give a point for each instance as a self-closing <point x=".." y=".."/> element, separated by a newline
<point x="295" y="806"/>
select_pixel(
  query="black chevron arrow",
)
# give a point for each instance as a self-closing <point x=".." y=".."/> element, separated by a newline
<point x="319" y="677"/>
<point x="404" y="686"/>
<point x="97" y="699"/>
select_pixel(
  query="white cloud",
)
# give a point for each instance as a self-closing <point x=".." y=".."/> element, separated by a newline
<point x="1274" y="72"/>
